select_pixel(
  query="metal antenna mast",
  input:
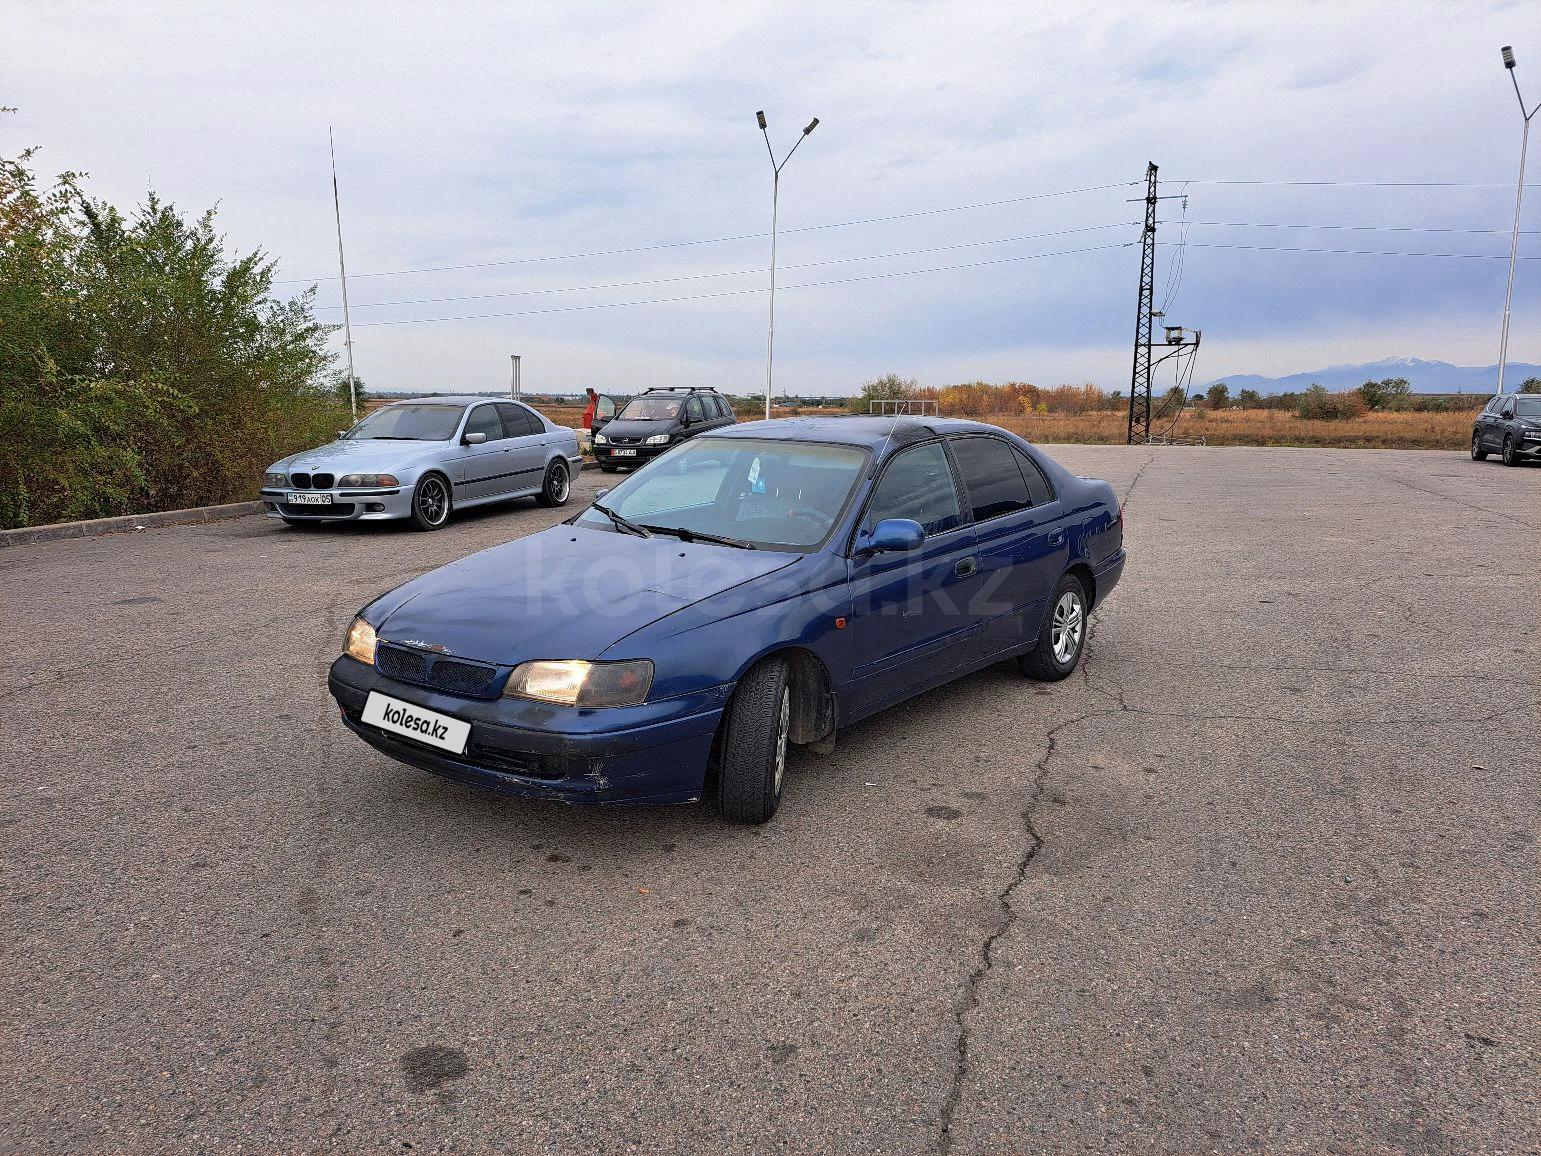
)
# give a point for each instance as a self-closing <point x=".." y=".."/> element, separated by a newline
<point x="342" y="268"/>
<point x="1139" y="384"/>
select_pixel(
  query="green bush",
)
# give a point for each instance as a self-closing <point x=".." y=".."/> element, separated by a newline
<point x="1317" y="404"/>
<point x="141" y="366"/>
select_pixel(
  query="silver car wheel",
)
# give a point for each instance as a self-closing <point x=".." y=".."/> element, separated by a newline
<point x="783" y="725"/>
<point x="560" y="483"/>
<point x="432" y="498"/>
<point x="1069" y="623"/>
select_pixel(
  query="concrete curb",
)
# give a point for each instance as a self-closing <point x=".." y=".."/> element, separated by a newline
<point x="128" y="522"/>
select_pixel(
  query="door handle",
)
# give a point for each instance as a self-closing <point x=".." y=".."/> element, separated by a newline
<point x="963" y="567"/>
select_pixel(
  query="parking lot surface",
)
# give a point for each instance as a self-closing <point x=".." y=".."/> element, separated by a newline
<point x="1261" y="875"/>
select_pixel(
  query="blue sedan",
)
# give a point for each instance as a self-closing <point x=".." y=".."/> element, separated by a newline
<point x="763" y="585"/>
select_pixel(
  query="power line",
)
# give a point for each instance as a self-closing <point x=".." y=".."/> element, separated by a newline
<point x="1364" y="184"/>
<point x="1349" y="252"/>
<point x="714" y="240"/>
<point x="746" y="292"/>
<point x="1358" y="228"/>
<point x="735" y="272"/>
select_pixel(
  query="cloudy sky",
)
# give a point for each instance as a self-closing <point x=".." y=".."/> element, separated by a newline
<point x="960" y="213"/>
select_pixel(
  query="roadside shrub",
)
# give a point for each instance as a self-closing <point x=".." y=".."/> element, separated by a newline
<point x="1317" y="404"/>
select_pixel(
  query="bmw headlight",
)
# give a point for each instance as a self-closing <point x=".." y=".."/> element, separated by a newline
<point x="361" y="641"/>
<point x="601" y="440"/>
<point x="657" y="440"/>
<point x="583" y="684"/>
<point x="275" y="478"/>
<point x="368" y="480"/>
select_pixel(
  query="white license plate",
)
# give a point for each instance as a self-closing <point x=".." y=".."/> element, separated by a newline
<point x="624" y="453"/>
<point x="310" y="499"/>
<point x="415" y="722"/>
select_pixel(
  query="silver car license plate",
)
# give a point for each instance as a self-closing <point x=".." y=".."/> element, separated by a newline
<point x="625" y="453"/>
<point x="310" y="499"/>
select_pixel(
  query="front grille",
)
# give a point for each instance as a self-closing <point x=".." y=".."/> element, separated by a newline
<point x="335" y="510"/>
<point x="625" y="441"/>
<point x="300" y="481"/>
<point x="322" y="481"/>
<point x="438" y="672"/>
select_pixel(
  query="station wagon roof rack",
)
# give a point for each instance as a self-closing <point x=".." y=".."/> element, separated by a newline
<point x="680" y="389"/>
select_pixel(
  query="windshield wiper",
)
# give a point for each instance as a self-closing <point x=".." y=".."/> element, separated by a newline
<point x="388" y="438"/>
<point x="685" y="535"/>
<point x="622" y="523"/>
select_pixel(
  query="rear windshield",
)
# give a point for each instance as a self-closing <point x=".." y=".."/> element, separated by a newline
<point x="1528" y="406"/>
<point x="651" y="409"/>
<point x="423" y="423"/>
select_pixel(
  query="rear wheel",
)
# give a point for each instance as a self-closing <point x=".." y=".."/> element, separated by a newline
<point x="430" y="502"/>
<point x="1063" y="636"/>
<point x="558" y="486"/>
<point x="1511" y="458"/>
<point x="754" y="745"/>
<point x="1478" y="454"/>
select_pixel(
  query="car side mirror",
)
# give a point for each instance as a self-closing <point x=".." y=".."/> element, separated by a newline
<point x="473" y="439"/>
<point x="891" y="536"/>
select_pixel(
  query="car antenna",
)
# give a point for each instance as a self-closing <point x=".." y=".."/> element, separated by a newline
<point x="877" y="461"/>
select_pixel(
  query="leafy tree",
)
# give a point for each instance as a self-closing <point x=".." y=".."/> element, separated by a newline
<point x="1531" y="385"/>
<point x="889" y="387"/>
<point x="141" y="366"/>
<point x="1218" y="395"/>
<point x="1385" y="394"/>
<point x="1249" y="399"/>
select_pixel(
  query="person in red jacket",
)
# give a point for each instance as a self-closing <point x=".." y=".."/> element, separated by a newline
<point x="590" y="410"/>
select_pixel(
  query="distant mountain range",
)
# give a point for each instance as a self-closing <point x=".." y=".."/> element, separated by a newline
<point x="1424" y="376"/>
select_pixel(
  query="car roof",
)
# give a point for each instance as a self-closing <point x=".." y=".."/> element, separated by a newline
<point x="871" y="431"/>
<point x="678" y="389"/>
<point x="451" y="399"/>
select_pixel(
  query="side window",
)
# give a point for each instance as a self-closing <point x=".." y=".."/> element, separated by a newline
<point x="484" y="420"/>
<point x="606" y="407"/>
<point x="917" y="484"/>
<point x="517" y="421"/>
<point x="1037" y="483"/>
<point x="714" y="408"/>
<point x="1506" y="411"/>
<point x="693" y="409"/>
<point x="990" y="473"/>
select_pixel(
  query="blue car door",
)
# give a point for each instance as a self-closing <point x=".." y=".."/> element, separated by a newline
<point x="1020" y="541"/>
<point x="909" y="621"/>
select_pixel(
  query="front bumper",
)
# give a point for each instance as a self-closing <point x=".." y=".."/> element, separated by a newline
<point x="345" y="506"/>
<point x="606" y="455"/>
<point x="653" y="753"/>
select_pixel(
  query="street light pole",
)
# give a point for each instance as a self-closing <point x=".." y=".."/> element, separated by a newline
<point x="514" y="384"/>
<point x="342" y="269"/>
<point x="770" y="337"/>
<point x="1519" y="196"/>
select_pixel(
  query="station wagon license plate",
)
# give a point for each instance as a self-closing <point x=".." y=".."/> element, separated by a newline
<point x="624" y="453"/>
<point x="415" y="722"/>
<point x="310" y="499"/>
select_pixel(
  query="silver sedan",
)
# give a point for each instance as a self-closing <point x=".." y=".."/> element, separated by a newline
<point x="424" y="458"/>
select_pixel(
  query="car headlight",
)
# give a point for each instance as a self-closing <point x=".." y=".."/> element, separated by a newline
<point x="601" y="440"/>
<point x="275" y="478"/>
<point x="584" y="684"/>
<point x="368" y="480"/>
<point x="361" y="641"/>
<point x="657" y="440"/>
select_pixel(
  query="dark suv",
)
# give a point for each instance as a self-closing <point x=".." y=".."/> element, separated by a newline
<point x="654" y="421"/>
<point x="1510" y="425"/>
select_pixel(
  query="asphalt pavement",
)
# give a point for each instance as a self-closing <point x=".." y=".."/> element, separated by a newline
<point x="1262" y="875"/>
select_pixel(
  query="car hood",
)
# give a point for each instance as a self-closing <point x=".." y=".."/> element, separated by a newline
<point x="637" y="427"/>
<point x="363" y="456"/>
<point x="567" y="592"/>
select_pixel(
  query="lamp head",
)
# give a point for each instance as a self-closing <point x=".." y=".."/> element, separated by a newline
<point x="1508" y="54"/>
<point x="760" y="116"/>
<point x="812" y="124"/>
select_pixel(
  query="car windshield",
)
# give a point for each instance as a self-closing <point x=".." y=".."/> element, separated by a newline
<point x="1528" y="406"/>
<point x="421" y="423"/>
<point x="768" y="494"/>
<point x="651" y="409"/>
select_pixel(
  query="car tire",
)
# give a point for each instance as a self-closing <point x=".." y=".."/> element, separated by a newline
<point x="431" y="502"/>
<point x="754" y="745"/>
<point x="558" y="486"/>
<point x="1478" y="454"/>
<point x="1063" y="636"/>
<point x="1510" y="457"/>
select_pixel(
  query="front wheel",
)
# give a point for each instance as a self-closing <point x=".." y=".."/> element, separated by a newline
<point x="1478" y="454"/>
<point x="557" y="488"/>
<point x="430" y="502"/>
<point x="1063" y="637"/>
<point x="1511" y="457"/>
<point x="754" y="745"/>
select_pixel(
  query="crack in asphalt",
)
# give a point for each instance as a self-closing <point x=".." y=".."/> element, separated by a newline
<point x="969" y="1002"/>
<point x="1502" y="515"/>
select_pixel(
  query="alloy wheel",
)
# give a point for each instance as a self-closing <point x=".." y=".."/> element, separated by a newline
<point x="432" y="501"/>
<point x="1069" y="623"/>
<point x="783" y="724"/>
<point x="560" y="484"/>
